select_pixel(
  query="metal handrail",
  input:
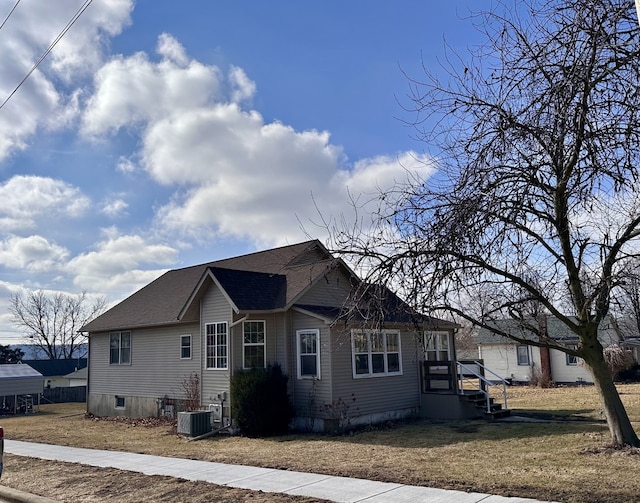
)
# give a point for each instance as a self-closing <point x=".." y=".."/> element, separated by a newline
<point x="482" y="380"/>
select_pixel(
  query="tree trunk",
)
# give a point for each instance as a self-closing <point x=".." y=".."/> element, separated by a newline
<point x="545" y="353"/>
<point x="622" y="433"/>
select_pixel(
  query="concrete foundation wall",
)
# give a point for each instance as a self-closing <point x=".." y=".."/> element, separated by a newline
<point x="134" y="406"/>
<point x="329" y="425"/>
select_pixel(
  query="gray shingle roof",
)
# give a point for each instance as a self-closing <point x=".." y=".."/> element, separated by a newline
<point x="555" y="329"/>
<point x="162" y="300"/>
<point x="263" y="281"/>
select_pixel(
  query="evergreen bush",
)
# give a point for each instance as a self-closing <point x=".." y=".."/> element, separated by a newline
<point x="259" y="401"/>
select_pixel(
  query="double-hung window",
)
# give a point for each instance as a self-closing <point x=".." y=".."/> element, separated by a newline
<point x="376" y="353"/>
<point x="185" y="347"/>
<point x="308" y="348"/>
<point x="572" y="360"/>
<point x="523" y="355"/>
<point x="217" y="344"/>
<point x="253" y="344"/>
<point x="120" y="348"/>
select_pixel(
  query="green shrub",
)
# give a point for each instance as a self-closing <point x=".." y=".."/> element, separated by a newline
<point x="259" y="401"/>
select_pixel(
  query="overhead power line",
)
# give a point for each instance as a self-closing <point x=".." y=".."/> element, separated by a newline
<point x="9" y="15"/>
<point x="71" y="22"/>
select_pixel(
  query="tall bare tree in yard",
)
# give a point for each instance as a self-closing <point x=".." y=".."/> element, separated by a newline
<point x="536" y="136"/>
<point x="50" y="321"/>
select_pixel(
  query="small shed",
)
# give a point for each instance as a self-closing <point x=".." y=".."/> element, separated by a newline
<point x="18" y="385"/>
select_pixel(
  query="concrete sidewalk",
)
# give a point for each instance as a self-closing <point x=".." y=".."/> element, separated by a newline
<point x="339" y="489"/>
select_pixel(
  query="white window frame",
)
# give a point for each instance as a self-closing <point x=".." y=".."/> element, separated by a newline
<point x="183" y="347"/>
<point x="437" y="336"/>
<point x="518" y="349"/>
<point x="299" y="354"/>
<point x="215" y="357"/>
<point x="571" y="360"/>
<point x="120" y="402"/>
<point x="369" y="353"/>
<point x="121" y="352"/>
<point x="246" y="345"/>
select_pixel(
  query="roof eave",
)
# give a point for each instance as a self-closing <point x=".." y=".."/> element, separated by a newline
<point x="140" y="326"/>
<point x="326" y="319"/>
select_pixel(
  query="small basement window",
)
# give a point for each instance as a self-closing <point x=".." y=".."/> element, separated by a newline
<point x="119" y="402"/>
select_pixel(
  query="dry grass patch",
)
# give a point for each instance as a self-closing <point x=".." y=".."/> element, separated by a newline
<point x="563" y="460"/>
<point x="83" y="484"/>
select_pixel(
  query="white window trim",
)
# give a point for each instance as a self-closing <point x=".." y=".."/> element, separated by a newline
<point x="316" y="332"/>
<point x="255" y="344"/>
<point x="371" y="374"/>
<point x="528" y="364"/>
<point x="190" y="347"/>
<point x="568" y="356"/>
<point x="120" y="332"/>
<point x="438" y="347"/>
<point x="215" y="346"/>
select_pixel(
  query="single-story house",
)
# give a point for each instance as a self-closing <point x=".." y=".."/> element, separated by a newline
<point x="77" y="378"/>
<point x="290" y="306"/>
<point x="19" y="385"/>
<point x="522" y="363"/>
<point x="56" y="371"/>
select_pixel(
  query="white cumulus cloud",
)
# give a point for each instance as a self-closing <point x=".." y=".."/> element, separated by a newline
<point x="24" y="199"/>
<point x="135" y="90"/>
<point x="32" y="253"/>
<point x="49" y="98"/>
<point x="114" y="207"/>
<point x="120" y="263"/>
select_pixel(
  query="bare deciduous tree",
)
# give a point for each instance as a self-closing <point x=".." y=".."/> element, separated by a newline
<point x="51" y="321"/>
<point x="537" y="140"/>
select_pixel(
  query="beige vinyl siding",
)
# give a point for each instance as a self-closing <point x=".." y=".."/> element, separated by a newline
<point x="274" y="339"/>
<point x="282" y="327"/>
<point x="564" y="373"/>
<point x="503" y="360"/>
<point x="215" y="308"/>
<point x="308" y="394"/>
<point x="156" y="368"/>
<point x="373" y="395"/>
<point x="331" y="290"/>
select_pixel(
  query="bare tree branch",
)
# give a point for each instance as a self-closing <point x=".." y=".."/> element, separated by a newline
<point x="51" y="321"/>
<point x="537" y="139"/>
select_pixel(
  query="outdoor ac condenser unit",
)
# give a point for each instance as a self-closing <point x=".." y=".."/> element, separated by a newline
<point x="194" y="424"/>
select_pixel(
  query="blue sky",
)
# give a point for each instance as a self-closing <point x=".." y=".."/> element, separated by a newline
<point x="160" y="134"/>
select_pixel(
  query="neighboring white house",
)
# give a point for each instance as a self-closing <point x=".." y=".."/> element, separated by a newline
<point x="77" y="377"/>
<point x="521" y="362"/>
